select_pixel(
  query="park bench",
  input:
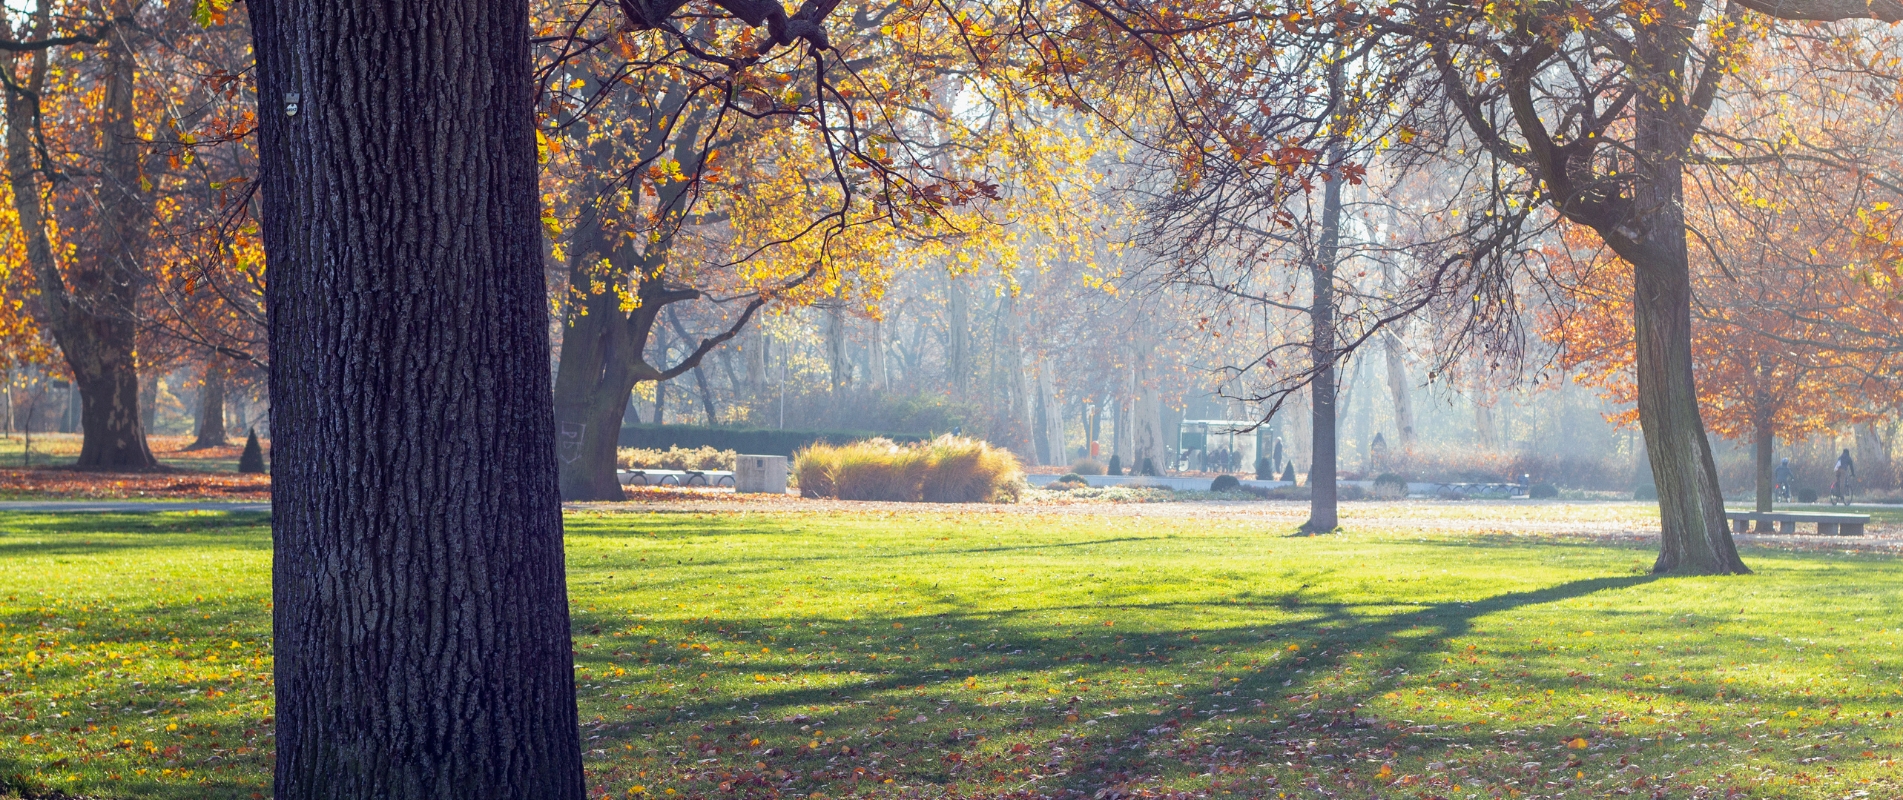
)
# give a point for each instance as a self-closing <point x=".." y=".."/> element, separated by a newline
<point x="652" y="477"/>
<point x="675" y="477"/>
<point x="1827" y="524"/>
<point x="708" y="477"/>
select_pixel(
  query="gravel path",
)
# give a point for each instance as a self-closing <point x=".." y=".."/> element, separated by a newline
<point x="1614" y="522"/>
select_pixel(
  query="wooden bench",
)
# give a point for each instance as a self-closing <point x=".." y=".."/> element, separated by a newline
<point x="1827" y="524"/>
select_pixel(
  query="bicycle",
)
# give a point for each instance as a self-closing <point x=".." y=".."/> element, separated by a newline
<point x="1840" y="490"/>
<point x="1781" y="493"/>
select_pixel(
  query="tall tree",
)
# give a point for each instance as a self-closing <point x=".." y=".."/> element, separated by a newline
<point x="1595" y="111"/>
<point x="89" y="288"/>
<point x="421" y="620"/>
<point x="211" y="405"/>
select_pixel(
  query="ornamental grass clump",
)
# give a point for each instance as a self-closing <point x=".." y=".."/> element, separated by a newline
<point x="949" y="469"/>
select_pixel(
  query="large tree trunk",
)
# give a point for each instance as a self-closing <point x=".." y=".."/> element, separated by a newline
<point x="421" y="623"/>
<point x="1322" y="510"/>
<point x="603" y="357"/>
<point x="91" y="310"/>
<point x="1694" y="537"/>
<point x="211" y="406"/>
<point x="601" y="361"/>
<point x="604" y="348"/>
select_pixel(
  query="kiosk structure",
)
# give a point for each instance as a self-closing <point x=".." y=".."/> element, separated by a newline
<point x="1216" y="445"/>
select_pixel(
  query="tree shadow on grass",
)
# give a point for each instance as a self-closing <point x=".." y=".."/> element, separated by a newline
<point x="43" y="534"/>
<point x="986" y="679"/>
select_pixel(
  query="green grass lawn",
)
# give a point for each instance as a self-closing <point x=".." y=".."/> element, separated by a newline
<point x="1020" y="655"/>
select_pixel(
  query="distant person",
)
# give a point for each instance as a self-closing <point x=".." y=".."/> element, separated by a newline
<point x="1781" y="481"/>
<point x="1840" y="482"/>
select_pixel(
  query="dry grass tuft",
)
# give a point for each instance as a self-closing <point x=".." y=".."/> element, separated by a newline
<point x="949" y="469"/>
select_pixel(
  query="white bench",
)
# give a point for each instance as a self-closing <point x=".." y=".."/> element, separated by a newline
<point x="675" y="477"/>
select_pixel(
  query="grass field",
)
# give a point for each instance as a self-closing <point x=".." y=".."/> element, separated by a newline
<point x="1022" y="655"/>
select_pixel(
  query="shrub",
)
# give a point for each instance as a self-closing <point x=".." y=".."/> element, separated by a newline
<point x="1225" y="483"/>
<point x="1069" y="480"/>
<point x="1116" y="465"/>
<point x="1807" y="495"/>
<point x="1543" y="491"/>
<point x="675" y="458"/>
<point x="1645" y="491"/>
<point x="949" y="469"/>
<point x="251" y="462"/>
<point x="1086" y="466"/>
<point x="1264" y="471"/>
<point x="1389" y="486"/>
<point x="1289" y="474"/>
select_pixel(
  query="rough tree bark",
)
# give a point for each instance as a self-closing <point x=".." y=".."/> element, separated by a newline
<point x="1322" y="510"/>
<point x="211" y="406"/>
<point x="1694" y="537"/>
<point x="91" y="307"/>
<point x="421" y="618"/>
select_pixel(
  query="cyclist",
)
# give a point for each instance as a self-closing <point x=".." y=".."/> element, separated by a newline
<point x="1781" y="480"/>
<point x="1844" y="472"/>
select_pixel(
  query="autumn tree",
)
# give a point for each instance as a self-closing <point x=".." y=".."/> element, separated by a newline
<point x="1590" y="112"/>
<point x="421" y="631"/>
<point x="75" y="165"/>
<point x="1794" y="328"/>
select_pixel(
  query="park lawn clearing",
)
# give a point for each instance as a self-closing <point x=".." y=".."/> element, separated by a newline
<point x="934" y="653"/>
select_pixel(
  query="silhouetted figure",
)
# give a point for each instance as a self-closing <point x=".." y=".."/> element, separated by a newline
<point x="251" y="462"/>
<point x="1840" y="481"/>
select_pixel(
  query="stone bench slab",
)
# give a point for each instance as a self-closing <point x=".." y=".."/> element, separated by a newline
<point x="1827" y="524"/>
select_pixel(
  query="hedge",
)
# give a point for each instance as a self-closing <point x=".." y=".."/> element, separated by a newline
<point x="746" y="441"/>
